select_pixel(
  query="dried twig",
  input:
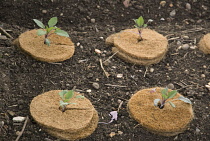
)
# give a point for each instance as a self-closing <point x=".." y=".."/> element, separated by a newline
<point x="106" y="73"/>
<point x="111" y="57"/>
<point x="193" y="30"/>
<point x="24" y="126"/>
<point x="173" y="38"/>
<point x="115" y="85"/>
<point x="5" y="32"/>
<point x="119" y="107"/>
<point x="146" y="71"/>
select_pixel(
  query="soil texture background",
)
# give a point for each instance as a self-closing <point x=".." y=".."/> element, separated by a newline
<point x="89" y="23"/>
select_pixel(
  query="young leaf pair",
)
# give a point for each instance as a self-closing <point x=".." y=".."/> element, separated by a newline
<point x="49" y="29"/>
<point x="66" y="96"/>
<point x="168" y="95"/>
<point x="139" y="24"/>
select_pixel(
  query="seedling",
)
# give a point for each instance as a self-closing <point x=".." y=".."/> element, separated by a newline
<point x="49" y="29"/>
<point x="139" y="23"/>
<point x="66" y="96"/>
<point x="168" y="95"/>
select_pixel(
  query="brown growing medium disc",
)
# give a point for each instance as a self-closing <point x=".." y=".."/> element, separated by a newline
<point x="60" y="49"/>
<point x="79" y="119"/>
<point x="149" y="51"/>
<point x="204" y="44"/>
<point x="168" y="121"/>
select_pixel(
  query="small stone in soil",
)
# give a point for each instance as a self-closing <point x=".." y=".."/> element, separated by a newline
<point x="185" y="46"/>
<point x="44" y="11"/>
<point x="120" y="132"/>
<point x="112" y="134"/>
<point x="89" y="90"/>
<point x="173" y="13"/>
<point x="188" y="6"/>
<point x="11" y="113"/>
<point x="96" y="86"/>
<point x="170" y="86"/>
<point x="119" y="75"/>
<point x="151" y="69"/>
<point x="93" y="20"/>
<point x="18" y="119"/>
<point x="203" y="75"/>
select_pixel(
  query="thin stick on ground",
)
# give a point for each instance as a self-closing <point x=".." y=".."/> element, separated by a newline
<point x="106" y="73"/>
<point x="111" y="57"/>
<point x="119" y="107"/>
<point x="145" y="71"/>
<point x="4" y="32"/>
<point x="115" y="85"/>
<point x="24" y="126"/>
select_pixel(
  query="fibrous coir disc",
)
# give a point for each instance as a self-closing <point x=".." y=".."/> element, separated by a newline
<point x="44" y="109"/>
<point x="168" y="121"/>
<point x="204" y="44"/>
<point x="150" y="50"/>
<point x="60" y="49"/>
<point x="88" y="130"/>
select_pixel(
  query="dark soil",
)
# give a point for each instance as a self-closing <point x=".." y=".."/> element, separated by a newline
<point x="23" y="78"/>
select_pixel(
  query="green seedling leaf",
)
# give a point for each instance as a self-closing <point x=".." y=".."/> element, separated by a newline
<point x="164" y="91"/>
<point x="63" y="103"/>
<point x="41" y="32"/>
<point x="171" y="94"/>
<point x="47" y="41"/>
<point x="52" y="22"/>
<point x="80" y="96"/>
<point x="62" y="93"/>
<point x="172" y="104"/>
<point x="69" y="94"/>
<point x="145" y="25"/>
<point x="164" y="96"/>
<point x="156" y="101"/>
<point x="186" y="100"/>
<point x="140" y="21"/>
<point x="61" y="33"/>
<point x="39" y="23"/>
<point x="50" y="29"/>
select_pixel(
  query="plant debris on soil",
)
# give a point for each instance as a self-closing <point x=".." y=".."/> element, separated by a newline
<point x="89" y="23"/>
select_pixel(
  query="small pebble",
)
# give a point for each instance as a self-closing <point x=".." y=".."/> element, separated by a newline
<point x="101" y="38"/>
<point x="120" y="132"/>
<point x="93" y="20"/>
<point x="98" y="51"/>
<point x="78" y="43"/>
<point x="179" y="43"/>
<point x="185" y="46"/>
<point x="119" y="101"/>
<point x="203" y="75"/>
<point x="151" y="69"/>
<point x="61" y="14"/>
<point x="88" y="91"/>
<point x="11" y="113"/>
<point x="188" y="6"/>
<point x="193" y="47"/>
<point x="173" y="13"/>
<point x="44" y="11"/>
<point x="119" y="75"/>
<point x="170" y="86"/>
<point x="204" y="66"/>
<point x="18" y="119"/>
<point x="186" y="37"/>
<point x="112" y="134"/>
<point x="162" y="3"/>
<point x="96" y="86"/>
<point x="197" y="130"/>
<point x="162" y="19"/>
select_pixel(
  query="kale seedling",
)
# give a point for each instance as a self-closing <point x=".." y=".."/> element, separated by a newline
<point x="167" y="95"/>
<point x="66" y="96"/>
<point x="49" y="29"/>
<point x="139" y="23"/>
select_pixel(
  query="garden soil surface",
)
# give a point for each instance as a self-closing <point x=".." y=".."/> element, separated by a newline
<point x="89" y="23"/>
